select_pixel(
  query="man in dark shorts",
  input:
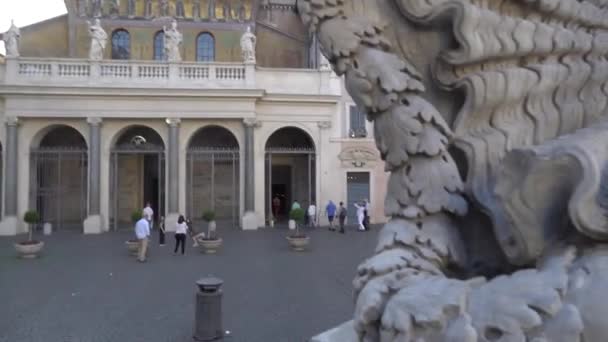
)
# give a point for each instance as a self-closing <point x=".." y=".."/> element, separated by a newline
<point x="342" y="216"/>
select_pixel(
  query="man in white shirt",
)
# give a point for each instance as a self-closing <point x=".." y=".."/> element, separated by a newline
<point x="142" y="232"/>
<point x="148" y="214"/>
<point x="312" y="215"/>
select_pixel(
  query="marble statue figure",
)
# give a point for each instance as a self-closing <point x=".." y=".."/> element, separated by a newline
<point x="492" y="118"/>
<point x="248" y="41"/>
<point x="99" y="38"/>
<point x="172" y="42"/>
<point x="11" y="40"/>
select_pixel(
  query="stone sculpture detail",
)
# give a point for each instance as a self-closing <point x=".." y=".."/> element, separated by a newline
<point x="532" y="129"/>
<point x="11" y="40"/>
<point x="248" y="41"/>
<point x="99" y="38"/>
<point x="172" y="42"/>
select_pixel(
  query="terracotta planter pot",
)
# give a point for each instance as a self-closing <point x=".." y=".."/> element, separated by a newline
<point x="299" y="243"/>
<point x="29" y="250"/>
<point x="132" y="246"/>
<point x="210" y="246"/>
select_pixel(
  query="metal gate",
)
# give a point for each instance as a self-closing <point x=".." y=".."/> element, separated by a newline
<point x="213" y="183"/>
<point x="58" y="183"/>
<point x="357" y="190"/>
<point x="128" y="193"/>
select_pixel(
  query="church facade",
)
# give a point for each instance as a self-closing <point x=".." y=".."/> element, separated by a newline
<point x="237" y="113"/>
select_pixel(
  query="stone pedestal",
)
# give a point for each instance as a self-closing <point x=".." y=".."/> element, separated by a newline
<point x="171" y="221"/>
<point x="249" y="221"/>
<point x="93" y="225"/>
<point x="10" y="225"/>
<point x="344" y="332"/>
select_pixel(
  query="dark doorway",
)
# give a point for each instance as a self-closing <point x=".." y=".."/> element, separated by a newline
<point x="357" y="190"/>
<point x="290" y="170"/>
<point x="137" y="175"/>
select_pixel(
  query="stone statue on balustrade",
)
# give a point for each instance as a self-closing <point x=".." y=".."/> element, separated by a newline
<point x="11" y="40"/>
<point x="248" y="41"/>
<point x="99" y="39"/>
<point x="492" y="118"/>
<point x="172" y="42"/>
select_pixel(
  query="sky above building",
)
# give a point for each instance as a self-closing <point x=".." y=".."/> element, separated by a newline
<point x="26" y="12"/>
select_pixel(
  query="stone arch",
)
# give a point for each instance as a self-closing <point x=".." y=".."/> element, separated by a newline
<point x="212" y="174"/>
<point x="59" y="176"/>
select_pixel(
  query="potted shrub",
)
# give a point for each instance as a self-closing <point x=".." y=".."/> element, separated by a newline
<point x="211" y="242"/>
<point x="30" y="248"/>
<point x="298" y="240"/>
<point x="133" y="244"/>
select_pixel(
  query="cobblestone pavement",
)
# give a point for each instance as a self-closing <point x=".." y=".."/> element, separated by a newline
<point x="87" y="288"/>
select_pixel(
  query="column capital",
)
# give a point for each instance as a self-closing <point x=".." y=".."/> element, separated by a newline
<point x="173" y="122"/>
<point x="11" y="121"/>
<point x="324" y="124"/>
<point x="252" y="122"/>
<point x="94" y="121"/>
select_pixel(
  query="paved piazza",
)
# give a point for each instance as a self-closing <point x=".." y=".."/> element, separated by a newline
<point x="87" y="288"/>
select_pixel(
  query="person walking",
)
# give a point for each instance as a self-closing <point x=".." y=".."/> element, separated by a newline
<point x="149" y="215"/>
<point x="181" y="228"/>
<point x="330" y="210"/>
<point x="161" y="231"/>
<point x="342" y="216"/>
<point x="366" y="214"/>
<point x="142" y="232"/>
<point x="312" y="215"/>
<point x="276" y="207"/>
<point x="360" y="215"/>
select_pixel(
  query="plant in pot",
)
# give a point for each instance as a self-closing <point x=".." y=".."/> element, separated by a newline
<point x="211" y="242"/>
<point x="30" y="248"/>
<point x="298" y="240"/>
<point x="133" y="244"/>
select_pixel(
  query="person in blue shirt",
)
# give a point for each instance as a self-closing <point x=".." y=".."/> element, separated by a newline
<point x="330" y="209"/>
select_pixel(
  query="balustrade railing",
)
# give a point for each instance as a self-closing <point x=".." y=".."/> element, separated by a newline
<point x="50" y="72"/>
<point x="137" y="73"/>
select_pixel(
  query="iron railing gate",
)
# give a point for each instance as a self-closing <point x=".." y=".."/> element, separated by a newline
<point x="294" y="152"/>
<point x="119" y="218"/>
<point x="213" y="184"/>
<point x="58" y="183"/>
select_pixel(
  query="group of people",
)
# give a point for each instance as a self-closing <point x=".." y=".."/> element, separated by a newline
<point x="332" y="211"/>
<point x="183" y="228"/>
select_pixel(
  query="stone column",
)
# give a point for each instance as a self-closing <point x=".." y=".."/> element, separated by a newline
<point x="172" y="172"/>
<point x="250" y="220"/>
<point x="93" y="224"/>
<point x="9" y="224"/>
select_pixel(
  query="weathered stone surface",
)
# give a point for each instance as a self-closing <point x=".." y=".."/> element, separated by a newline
<point x="528" y="139"/>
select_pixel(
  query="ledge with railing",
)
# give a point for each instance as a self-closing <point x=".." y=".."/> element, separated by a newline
<point x="112" y="73"/>
<point x="58" y="72"/>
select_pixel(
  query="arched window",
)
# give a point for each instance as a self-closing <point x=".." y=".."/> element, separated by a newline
<point x="159" y="46"/>
<point x="121" y="44"/>
<point x="205" y="47"/>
